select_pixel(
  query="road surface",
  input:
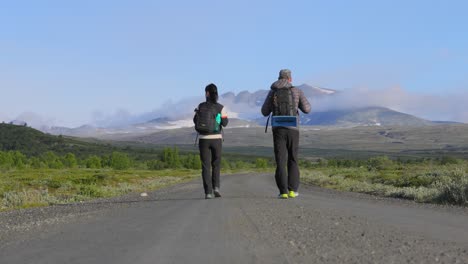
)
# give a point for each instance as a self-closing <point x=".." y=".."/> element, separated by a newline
<point x="247" y="225"/>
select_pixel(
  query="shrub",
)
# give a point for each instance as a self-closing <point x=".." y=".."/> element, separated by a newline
<point x="156" y="165"/>
<point x="171" y="157"/>
<point x="69" y="160"/>
<point x="192" y="162"/>
<point x="261" y="163"/>
<point x="93" y="162"/>
<point x="36" y="163"/>
<point x="418" y="194"/>
<point x="453" y="188"/>
<point x="379" y="163"/>
<point x="239" y="164"/>
<point x="322" y="162"/>
<point x="416" y="180"/>
<point x="53" y="183"/>
<point x="6" y="160"/>
<point x="445" y="160"/>
<point x="224" y="164"/>
<point x="120" y="161"/>
<point x="19" y="159"/>
<point x="52" y="160"/>
<point x="27" y="198"/>
<point x="307" y="164"/>
<point x="91" y="190"/>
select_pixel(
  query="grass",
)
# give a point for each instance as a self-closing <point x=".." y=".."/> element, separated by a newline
<point x="41" y="187"/>
<point x="427" y="183"/>
<point x="25" y="188"/>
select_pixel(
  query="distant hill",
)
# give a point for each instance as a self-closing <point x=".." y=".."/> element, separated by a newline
<point x="26" y="140"/>
<point x="81" y="131"/>
<point x="369" y="116"/>
<point x="33" y="142"/>
<point x="437" y="139"/>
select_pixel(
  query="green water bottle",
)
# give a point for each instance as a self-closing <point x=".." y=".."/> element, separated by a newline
<point x="218" y="122"/>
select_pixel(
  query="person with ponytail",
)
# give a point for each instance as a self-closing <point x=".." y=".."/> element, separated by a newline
<point x="210" y="117"/>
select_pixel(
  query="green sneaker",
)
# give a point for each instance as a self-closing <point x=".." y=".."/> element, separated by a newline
<point x="283" y="196"/>
<point x="293" y="194"/>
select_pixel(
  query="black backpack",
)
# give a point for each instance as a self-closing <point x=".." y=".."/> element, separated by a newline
<point x="283" y="108"/>
<point x="208" y="118"/>
<point x="283" y="103"/>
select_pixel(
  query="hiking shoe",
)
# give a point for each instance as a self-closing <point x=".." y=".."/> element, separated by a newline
<point x="283" y="196"/>
<point x="217" y="194"/>
<point x="293" y="194"/>
<point x="209" y="196"/>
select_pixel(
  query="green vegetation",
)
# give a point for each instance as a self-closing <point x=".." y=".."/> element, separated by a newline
<point x="53" y="179"/>
<point x="41" y="187"/>
<point x="38" y="169"/>
<point x="443" y="180"/>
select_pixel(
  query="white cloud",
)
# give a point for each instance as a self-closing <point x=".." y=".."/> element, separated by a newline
<point x="35" y="120"/>
<point x="445" y="107"/>
<point x="182" y="109"/>
<point x="441" y="107"/>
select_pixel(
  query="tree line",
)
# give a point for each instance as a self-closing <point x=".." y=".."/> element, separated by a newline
<point x="167" y="158"/>
<point x="377" y="162"/>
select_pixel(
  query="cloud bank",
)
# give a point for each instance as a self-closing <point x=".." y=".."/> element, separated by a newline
<point x="441" y="107"/>
<point x="32" y="120"/>
<point x="182" y="109"/>
<point x="445" y="107"/>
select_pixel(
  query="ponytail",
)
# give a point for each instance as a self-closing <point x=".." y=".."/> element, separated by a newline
<point x="213" y="91"/>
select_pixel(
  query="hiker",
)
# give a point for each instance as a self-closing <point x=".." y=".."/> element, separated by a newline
<point x="283" y="101"/>
<point x="210" y="117"/>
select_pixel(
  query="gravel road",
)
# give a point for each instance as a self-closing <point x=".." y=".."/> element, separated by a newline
<point x="247" y="225"/>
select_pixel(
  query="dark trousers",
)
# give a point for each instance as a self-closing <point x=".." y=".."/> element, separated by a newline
<point x="286" y="144"/>
<point x="210" y="156"/>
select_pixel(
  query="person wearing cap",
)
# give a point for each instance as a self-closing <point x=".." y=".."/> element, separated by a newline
<point x="286" y="139"/>
<point x="210" y="145"/>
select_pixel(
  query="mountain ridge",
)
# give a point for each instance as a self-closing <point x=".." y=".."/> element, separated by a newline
<point x="245" y="106"/>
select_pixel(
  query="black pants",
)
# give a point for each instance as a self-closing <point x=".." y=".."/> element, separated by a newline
<point x="286" y="144"/>
<point x="210" y="155"/>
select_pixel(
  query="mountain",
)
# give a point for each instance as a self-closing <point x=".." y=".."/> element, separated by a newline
<point x="254" y="99"/>
<point x="315" y="91"/>
<point x="257" y="98"/>
<point x="81" y="131"/>
<point x="245" y="108"/>
<point x="368" y="116"/>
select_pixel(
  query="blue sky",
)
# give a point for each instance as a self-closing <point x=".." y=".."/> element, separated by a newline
<point x="67" y="60"/>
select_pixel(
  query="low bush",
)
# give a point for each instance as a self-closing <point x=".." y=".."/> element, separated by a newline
<point x="421" y="182"/>
<point x="453" y="188"/>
